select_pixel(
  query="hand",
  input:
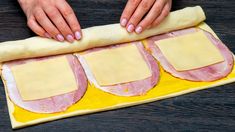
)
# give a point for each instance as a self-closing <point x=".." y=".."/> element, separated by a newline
<point x="141" y="14"/>
<point x="51" y="19"/>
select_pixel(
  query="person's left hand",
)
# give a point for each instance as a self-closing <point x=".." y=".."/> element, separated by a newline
<point x="141" y="14"/>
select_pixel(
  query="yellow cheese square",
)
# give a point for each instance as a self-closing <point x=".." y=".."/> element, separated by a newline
<point x="117" y="65"/>
<point x="44" y="78"/>
<point x="190" y="51"/>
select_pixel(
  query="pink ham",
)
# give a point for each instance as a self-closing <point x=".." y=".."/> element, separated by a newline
<point x="209" y="73"/>
<point x="48" y="105"/>
<point x="132" y="88"/>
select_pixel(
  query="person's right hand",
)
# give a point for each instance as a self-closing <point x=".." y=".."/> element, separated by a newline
<point x="51" y="19"/>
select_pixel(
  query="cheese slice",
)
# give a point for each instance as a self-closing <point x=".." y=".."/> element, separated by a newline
<point x="189" y="51"/>
<point x="117" y="65"/>
<point x="45" y="78"/>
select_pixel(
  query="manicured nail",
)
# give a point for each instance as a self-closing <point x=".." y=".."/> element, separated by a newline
<point x="138" y="29"/>
<point x="78" y="35"/>
<point x="123" y="22"/>
<point x="130" y="28"/>
<point x="70" y="38"/>
<point x="47" y="35"/>
<point x="60" y="37"/>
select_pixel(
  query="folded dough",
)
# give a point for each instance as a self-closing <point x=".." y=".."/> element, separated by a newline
<point x="97" y="36"/>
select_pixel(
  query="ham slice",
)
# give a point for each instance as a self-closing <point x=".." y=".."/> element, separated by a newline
<point x="134" y="88"/>
<point x="209" y="73"/>
<point x="48" y="105"/>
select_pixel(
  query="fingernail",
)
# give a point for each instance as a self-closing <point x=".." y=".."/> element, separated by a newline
<point x="60" y="37"/>
<point x="138" y="29"/>
<point x="70" y="38"/>
<point x="130" y="28"/>
<point x="78" y="35"/>
<point x="123" y="22"/>
<point x="47" y="35"/>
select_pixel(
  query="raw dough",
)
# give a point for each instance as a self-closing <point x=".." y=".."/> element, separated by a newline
<point x="97" y="36"/>
<point x="96" y="101"/>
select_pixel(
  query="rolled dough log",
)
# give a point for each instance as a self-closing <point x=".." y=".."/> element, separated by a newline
<point x="97" y="36"/>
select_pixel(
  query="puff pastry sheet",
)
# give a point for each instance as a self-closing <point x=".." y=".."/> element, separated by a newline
<point x="96" y="100"/>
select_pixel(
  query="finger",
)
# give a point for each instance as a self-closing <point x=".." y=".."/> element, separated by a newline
<point x="55" y="16"/>
<point x="70" y="17"/>
<point x="151" y="16"/>
<point x="128" y="11"/>
<point x="141" y="10"/>
<point x="35" y="27"/>
<point x="44" y="21"/>
<point x="160" y="18"/>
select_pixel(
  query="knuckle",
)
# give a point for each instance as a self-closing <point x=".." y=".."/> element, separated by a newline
<point x="158" y="9"/>
<point x="30" y="22"/>
<point x="165" y="14"/>
<point x="156" y="22"/>
<point x="134" y="2"/>
<point x="53" y="13"/>
<point x="39" y="32"/>
<point x="134" y="19"/>
<point x="63" y="27"/>
<point x="61" y="24"/>
<point x="43" y="2"/>
<point x="37" y="11"/>
<point x="39" y="16"/>
<point x="147" y="22"/>
<point x="53" y="32"/>
<point x="67" y="12"/>
<point x="67" y="31"/>
<point x="145" y="5"/>
<point x="75" y="26"/>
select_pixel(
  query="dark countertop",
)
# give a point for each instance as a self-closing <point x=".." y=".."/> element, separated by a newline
<point x="207" y="110"/>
